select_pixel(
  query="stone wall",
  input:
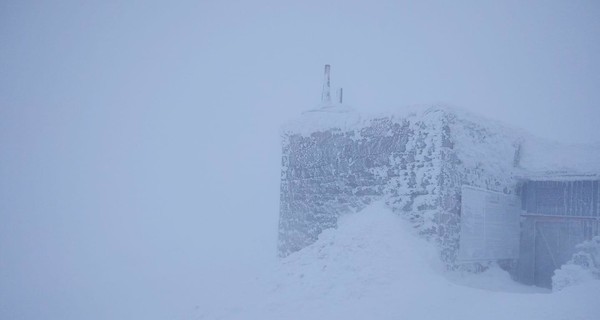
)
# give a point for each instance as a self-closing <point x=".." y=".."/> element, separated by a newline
<point x="416" y="164"/>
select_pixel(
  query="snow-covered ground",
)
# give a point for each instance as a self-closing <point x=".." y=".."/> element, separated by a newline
<point x="374" y="266"/>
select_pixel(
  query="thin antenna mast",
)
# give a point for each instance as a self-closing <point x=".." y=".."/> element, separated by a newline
<point x="326" y="94"/>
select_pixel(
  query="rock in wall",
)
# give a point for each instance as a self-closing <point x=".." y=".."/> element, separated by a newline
<point x="416" y="164"/>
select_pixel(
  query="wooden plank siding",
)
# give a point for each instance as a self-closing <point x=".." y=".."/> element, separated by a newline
<point x="562" y="198"/>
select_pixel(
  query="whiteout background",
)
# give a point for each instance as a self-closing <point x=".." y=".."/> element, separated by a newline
<point x="139" y="162"/>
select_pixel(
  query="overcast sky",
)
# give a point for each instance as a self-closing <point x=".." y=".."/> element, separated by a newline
<point x="139" y="161"/>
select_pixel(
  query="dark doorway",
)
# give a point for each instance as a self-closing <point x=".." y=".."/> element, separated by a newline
<point x="555" y="243"/>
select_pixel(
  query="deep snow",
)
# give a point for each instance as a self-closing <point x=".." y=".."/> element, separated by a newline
<point x="374" y="266"/>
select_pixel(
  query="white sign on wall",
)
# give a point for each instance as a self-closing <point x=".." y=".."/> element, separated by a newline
<point x="489" y="226"/>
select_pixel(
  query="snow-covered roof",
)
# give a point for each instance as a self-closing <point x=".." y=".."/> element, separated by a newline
<point x="560" y="176"/>
<point x="538" y="157"/>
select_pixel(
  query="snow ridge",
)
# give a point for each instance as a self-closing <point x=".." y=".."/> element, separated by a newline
<point x="374" y="266"/>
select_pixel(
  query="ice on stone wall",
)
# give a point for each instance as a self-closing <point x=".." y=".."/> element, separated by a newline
<point x="336" y="160"/>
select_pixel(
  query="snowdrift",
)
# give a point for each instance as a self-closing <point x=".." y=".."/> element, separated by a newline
<point x="374" y="266"/>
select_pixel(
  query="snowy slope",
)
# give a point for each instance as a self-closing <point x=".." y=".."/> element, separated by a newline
<point x="373" y="266"/>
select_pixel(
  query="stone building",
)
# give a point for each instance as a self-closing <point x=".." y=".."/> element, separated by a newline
<point x="336" y="161"/>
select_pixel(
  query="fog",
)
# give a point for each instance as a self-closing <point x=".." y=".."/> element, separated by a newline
<point x="139" y="163"/>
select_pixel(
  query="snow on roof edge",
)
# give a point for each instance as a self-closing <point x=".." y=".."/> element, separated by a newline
<point x="540" y="157"/>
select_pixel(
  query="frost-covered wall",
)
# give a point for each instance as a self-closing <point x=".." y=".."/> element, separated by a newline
<point x="335" y="161"/>
<point x="329" y="172"/>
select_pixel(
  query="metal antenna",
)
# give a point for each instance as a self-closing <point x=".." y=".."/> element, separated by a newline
<point x="326" y="95"/>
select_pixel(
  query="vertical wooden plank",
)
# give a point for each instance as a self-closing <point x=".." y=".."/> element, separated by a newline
<point x="523" y="192"/>
<point x="597" y="198"/>
<point x="574" y="196"/>
<point x="532" y="200"/>
<point x="565" y="194"/>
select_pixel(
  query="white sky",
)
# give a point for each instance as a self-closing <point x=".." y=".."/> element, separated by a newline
<point x="140" y="150"/>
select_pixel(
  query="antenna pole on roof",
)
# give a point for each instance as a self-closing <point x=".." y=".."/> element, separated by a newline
<point x="326" y="95"/>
